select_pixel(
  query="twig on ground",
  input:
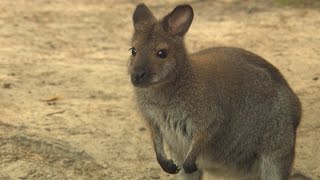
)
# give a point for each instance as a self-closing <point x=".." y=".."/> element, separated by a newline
<point x="58" y="112"/>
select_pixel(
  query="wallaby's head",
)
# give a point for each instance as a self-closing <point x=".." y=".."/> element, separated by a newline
<point x="157" y="50"/>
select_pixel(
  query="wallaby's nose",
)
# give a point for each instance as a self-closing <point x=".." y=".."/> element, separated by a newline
<point x="139" y="76"/>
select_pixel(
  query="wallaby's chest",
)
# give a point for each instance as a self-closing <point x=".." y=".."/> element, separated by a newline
<point x="175" y="125"/>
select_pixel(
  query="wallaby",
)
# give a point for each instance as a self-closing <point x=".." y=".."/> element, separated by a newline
<point x="222" y="110"/>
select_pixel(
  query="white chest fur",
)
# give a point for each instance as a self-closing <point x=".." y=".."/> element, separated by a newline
<point x="175" y="126"/>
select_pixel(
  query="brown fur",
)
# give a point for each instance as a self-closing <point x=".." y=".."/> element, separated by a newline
<point x="223" y="110"/>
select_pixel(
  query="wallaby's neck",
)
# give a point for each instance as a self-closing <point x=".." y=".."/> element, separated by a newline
<point x="184" y="72"/>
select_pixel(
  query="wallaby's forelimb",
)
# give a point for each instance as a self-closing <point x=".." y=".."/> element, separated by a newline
<point x="198" y="141"/>
<point x="166" y="164"/>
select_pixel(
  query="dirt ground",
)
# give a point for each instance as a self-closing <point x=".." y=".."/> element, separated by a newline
<point x="66" y="105"/>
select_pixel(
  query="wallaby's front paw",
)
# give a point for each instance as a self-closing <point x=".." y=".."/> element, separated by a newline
<point x="189" y="167"/>
<point x="169" y="167"/>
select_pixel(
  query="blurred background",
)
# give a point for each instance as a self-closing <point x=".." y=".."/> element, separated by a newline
<point x="66" y="103"/>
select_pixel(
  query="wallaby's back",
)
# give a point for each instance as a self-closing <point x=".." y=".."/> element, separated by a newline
<point x="240" y="71"/>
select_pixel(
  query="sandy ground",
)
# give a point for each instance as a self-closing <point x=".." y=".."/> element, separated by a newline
<point x="66" y="106"/>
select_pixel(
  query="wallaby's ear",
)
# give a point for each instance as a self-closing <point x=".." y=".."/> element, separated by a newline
<point x="142" y="14"/>
<point x="179" y="20"/>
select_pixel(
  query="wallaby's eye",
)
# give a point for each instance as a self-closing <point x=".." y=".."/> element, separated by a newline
<point x="162" y="53"/>
<point x="133" y="51"/>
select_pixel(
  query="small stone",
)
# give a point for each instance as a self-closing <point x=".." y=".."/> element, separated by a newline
<point x="32" y="171"/>
<point x="68" y="161"/>
<point x="315" y="78"/>
<point x="155" y="177"/>
<point x="7" y="85"/>
<point x="142" y="129"/>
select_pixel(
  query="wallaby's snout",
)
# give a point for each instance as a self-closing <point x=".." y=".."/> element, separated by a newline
<point x="139" y="76"/>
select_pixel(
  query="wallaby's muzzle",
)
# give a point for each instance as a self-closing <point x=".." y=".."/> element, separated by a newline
<point x="140" y="77"/>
